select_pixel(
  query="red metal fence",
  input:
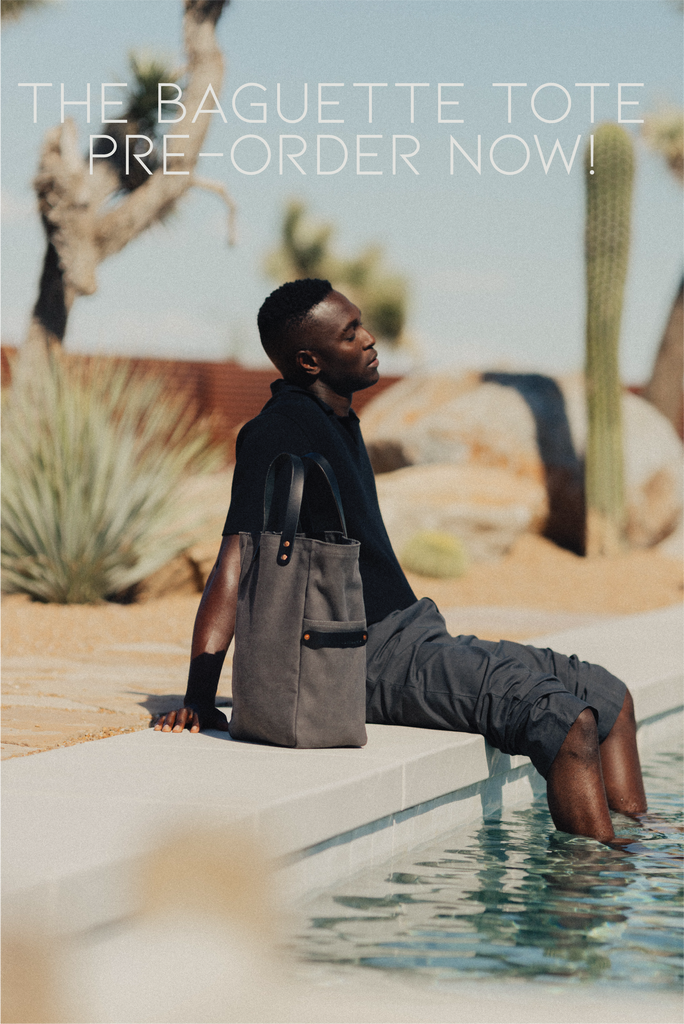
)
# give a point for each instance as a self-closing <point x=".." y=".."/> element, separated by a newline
<point x="228" y="392"/>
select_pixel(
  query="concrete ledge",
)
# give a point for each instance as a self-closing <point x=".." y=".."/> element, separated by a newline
<point x="75" y="818"/>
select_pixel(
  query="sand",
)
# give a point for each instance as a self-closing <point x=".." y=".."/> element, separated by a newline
<point x="73" y="673"/>
<point x="538" y="574"/>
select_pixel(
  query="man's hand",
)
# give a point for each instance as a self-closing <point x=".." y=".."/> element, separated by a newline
<point x="188" y="718"/>
<point x="211" y="638"/>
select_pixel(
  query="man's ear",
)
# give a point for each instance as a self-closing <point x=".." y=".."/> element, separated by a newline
<point x="307" y="361"/>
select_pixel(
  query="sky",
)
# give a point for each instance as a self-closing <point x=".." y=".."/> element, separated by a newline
<point x="493" y="261"/>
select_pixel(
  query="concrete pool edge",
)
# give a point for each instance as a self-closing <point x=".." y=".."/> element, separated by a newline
<point x="77" y="819"/>
<point x="311" y="870"/>
<point x="645" y="650"/>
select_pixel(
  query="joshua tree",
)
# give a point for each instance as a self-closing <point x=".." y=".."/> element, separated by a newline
<point x="609" y="193"/>
<point x="82" y="224"/>
<point x="664" y="132"/>
<point x="12" y="10"/>
<point x="305" y="251"/>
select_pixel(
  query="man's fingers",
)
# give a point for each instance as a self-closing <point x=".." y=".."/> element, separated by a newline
<point x="181" y="719"/>
<point x="186" y="718"/>
<point x="166" y="722"/>
<point x="176" y="721"/>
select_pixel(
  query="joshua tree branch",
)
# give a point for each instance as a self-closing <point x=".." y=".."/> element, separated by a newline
<point x="219" y="189"/>
<point x="160" y="192"/>
<point x="70" y="199"/>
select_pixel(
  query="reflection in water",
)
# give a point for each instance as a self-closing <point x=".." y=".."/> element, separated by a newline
<point x="512" y="897"/>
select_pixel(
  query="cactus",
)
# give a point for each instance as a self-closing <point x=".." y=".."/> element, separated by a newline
<point x="433" y="553"/>
<point x="609" y="191"/>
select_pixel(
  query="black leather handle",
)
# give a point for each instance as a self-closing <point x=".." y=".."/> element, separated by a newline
<point x="298" y="477"/>
<point x="294" y="502"/>
<point x="326" y="469"/>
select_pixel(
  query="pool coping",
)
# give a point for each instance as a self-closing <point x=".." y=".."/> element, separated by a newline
<point x="76" y="819"/>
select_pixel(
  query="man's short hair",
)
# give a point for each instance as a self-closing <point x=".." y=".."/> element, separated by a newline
<point x="284" y="310"/>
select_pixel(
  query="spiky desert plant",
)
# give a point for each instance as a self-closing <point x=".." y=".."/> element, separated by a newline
<point x="92" y="461"/>
<point x="305" y="250"/>
<point x="435" y="553"/>
<point x="139" y="115"/>
<point x="609" y="195"/>
<point x="12" y="10"/>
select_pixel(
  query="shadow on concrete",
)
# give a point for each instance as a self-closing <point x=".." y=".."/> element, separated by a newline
<point x="563" y="469"/>
<point x="160" y="703"/>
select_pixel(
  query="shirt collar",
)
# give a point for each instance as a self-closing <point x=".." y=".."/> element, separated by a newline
<point x="279" y="387"/>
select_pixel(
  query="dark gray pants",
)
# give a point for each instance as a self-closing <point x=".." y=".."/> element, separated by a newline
<point x="523" y="700"/>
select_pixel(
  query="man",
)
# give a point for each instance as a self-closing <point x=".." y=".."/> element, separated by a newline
<point x="575" y="721"/>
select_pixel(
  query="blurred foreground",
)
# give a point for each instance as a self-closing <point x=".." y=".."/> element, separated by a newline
<point x="205" y="944"/>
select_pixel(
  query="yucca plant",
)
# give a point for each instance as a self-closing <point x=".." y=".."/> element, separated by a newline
<point x="93" y="458"/>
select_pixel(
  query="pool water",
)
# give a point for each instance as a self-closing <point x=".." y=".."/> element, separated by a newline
<point x="512" y="898"/>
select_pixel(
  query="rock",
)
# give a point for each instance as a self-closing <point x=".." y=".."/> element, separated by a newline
<point x="208" y="498"/>
<point x="534" y="427"/>
<point x="673" y="546"/>
<point x="387" y="417"/>
<point x="485" y="507"/>
<point x="386" y="456"/>
<point x="179" y="576"/>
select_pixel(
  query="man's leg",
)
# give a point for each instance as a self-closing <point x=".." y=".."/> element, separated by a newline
<point x="523" y="700"/>
<point x="575" y="786"/>
<point x="620" y="764"/>
<point x="621" y="784"/>
<point x="586" y="778"/>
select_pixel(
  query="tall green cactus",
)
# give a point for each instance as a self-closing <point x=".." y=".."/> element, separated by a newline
<point x="609" y="193"/>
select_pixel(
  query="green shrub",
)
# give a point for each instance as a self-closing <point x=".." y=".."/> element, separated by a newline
<point x="432" y="553"/>
<point x="93" y="458"/>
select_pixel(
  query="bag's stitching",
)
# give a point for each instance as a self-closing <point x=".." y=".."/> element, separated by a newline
<point x="299" y="672"/>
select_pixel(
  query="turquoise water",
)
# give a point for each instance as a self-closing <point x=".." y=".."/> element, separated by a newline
<point x="511" y="898"/>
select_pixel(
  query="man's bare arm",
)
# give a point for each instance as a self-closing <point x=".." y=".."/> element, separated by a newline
<point x="213" y="632"/>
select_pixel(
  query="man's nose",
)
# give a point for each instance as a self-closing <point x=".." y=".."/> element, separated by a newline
<point x="369" y="340"/>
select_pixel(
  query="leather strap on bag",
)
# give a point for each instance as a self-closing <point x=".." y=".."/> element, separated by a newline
<point x="326" y="469"/>
<point x="294" y="502"/>
<point x="298" y="477"/>
<point x="317" y="638"/>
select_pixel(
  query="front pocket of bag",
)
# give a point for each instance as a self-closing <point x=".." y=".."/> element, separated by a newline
<point x="331" y="706"/>
<point x="323" y="635"/>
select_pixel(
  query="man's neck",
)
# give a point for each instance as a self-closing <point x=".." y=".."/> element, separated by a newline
<point x="340" y="404"/>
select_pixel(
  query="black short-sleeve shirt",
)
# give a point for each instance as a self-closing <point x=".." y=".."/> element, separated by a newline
<point x="296" y="421"/>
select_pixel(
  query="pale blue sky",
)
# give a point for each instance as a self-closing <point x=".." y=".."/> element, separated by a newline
<point x="494" y="262"/>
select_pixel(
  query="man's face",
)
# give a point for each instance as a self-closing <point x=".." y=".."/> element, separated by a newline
<point x="336" y="348"/>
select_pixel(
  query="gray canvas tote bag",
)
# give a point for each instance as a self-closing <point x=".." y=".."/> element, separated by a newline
<point x="299" y="668"/>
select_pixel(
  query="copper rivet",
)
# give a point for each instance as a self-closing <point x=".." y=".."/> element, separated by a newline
<point x="286" y="543"/>
<point x="283" y="558"/>
<point x="306" y="636"/>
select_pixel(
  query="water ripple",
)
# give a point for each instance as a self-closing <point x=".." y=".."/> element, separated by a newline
<point x="513" y="898"/>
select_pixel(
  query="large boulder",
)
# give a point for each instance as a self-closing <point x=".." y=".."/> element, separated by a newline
<point x="486" y="507"/>
<point x="535" y="428"/>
